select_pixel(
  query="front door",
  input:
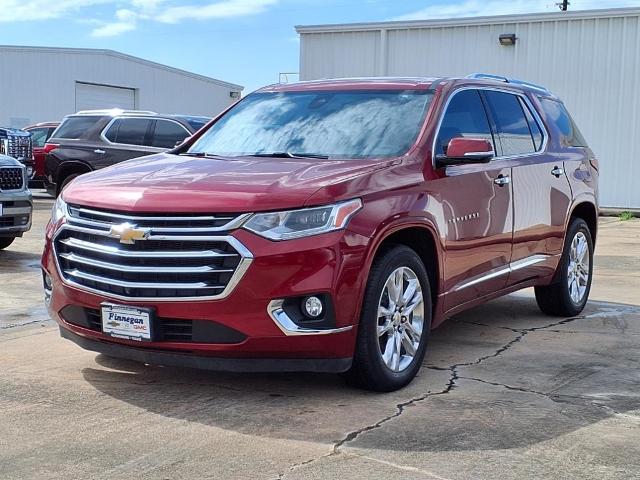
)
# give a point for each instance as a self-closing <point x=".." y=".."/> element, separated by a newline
<point x="476" y="208"/>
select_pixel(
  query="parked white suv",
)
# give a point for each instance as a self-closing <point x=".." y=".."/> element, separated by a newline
<point x="16" y="206"/>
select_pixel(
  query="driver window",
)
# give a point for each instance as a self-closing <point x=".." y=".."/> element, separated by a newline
<point x="465" y="117"/>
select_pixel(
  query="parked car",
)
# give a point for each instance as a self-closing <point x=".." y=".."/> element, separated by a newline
<point x="91" y="140"/>
<point x="17" y="144"/>
<point x="40" y="134"/>
<point x="15" y="201"/>
<point x="328" y="226"/>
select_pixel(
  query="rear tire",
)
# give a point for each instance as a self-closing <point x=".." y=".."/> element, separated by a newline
<point x="568" y="294"/>
<point x="6" y="241"/>
<point x="68" y="179"/>
<point x="394" y="323"/>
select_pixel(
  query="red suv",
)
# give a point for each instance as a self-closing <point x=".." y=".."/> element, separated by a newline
<point x="328" y="226"/>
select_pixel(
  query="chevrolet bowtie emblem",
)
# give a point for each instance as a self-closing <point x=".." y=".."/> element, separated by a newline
<point x="129" y="234"/>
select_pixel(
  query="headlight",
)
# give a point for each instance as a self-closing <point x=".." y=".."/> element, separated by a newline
<point x="59" y="210"/>
<point x="303" y="223"/>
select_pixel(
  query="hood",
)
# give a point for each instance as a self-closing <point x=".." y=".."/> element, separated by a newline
<point x="166" y="182"/>
<point x="6" y="161"/>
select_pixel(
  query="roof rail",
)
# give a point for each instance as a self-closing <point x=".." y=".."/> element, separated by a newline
<point x="115" y="111"/>
<point x="499" y="78"/>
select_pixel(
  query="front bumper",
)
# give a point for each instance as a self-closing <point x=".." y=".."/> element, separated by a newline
<point x="329" y="264"/>
<point x="17" y="211"/>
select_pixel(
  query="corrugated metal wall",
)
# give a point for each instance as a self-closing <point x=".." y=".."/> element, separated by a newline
<point x="592" y="62"/>
<point x="39" y="85"/>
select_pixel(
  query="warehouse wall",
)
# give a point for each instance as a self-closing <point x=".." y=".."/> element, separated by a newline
<point x="591" y="60"/>
<point x="40" y="84"/>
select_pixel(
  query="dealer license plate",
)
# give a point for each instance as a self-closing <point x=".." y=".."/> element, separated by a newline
<point x="130" y="323"/>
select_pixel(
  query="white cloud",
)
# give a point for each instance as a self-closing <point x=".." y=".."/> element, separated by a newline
<point x="223" y="9"/>
<point x="127" y="20"/>
<point x="476" y="8"/>
<point x="30" y="10"/>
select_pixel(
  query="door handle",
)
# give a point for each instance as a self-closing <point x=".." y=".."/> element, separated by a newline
<point x="502" y="180"/>
<point x="99" y="152"/>
<point x="557" y="171"/>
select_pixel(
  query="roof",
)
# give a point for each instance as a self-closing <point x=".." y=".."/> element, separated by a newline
<point x="461" y="22"/>
<point x="122" y="56"/>
<point x="398" y="83"/>
<point x="353" y="83"/>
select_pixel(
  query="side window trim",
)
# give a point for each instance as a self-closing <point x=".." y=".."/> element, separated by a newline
<point x="480" y="89"/>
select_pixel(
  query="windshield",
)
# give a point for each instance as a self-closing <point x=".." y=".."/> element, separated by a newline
<point x="344" y="124"/>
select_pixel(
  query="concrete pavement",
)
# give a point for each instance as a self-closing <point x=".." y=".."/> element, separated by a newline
<point x="505" y="392"/>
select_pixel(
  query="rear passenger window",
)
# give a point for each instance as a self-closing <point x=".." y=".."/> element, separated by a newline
<point x="558" y="114"/>
<point x="512" y="126"/>
<point x="75" y="127"/>
<point x="130" y="131"/>
<point x="465" y="117"/>
<point x="167" y="134"/>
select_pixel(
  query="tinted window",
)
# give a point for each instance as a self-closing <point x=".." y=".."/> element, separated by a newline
<point x="197" y="122"/>
<point x="338" y="124"/>
<point x="75" y="127"/>
<point x="557" y="113"/>
<point x="534" y="128"/>
<point x="167" y="134"/>
<point x="39" y="136"/>
<point x="513" y="128"/>
<point x="130" y="131"/>
<point x="465" y="117"/>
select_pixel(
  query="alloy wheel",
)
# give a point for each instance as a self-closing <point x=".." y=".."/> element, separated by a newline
<point x="400" y="319"/>
<point x="579" y="268"/>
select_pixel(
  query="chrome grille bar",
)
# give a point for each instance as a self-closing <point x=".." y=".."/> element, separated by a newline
<point x="96" y="247"/>
<point x="120" y="283"/>
<point x="72" y="257"/>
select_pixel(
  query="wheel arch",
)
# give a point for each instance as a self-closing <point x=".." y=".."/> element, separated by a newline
<point x="589" y="213"/>
<point x="421" y="237"/>
<point x="69" y="168"/>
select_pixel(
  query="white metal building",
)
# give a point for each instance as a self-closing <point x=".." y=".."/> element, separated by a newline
<point x="39" y="84"/>
<point x="591" y="59"/>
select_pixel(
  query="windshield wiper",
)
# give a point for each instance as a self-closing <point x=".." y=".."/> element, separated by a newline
<point x="199" y="155"/>
<point x="289" y="155"/>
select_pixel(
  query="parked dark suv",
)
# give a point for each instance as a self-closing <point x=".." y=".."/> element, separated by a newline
<point x="95" y="139"/>
<point x="328" y="226"/>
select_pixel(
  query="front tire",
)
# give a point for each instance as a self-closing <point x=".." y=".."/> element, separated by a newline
<point x="5" y="242"/>
<point x="568" y="294"/>
<point x="394" y="323"/>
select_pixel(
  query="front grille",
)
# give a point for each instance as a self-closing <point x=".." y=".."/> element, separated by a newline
<point x="171" y="257"/>
<point x="6" y="222"/>
<point x="11" y="178"/>
<point x="19" y="147"/>
<point x="163" y="329"/>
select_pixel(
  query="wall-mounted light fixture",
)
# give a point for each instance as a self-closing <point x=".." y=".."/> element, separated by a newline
<point x="234" y="94"/>
<point x="507" y="39"/>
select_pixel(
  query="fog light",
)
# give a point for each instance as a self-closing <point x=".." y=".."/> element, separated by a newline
<point x="48" y="283"/>
<point x="313" y="307"/>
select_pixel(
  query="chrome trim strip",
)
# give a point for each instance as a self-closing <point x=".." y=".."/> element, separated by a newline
<point x="234" y="222"/>
<point x="241" y="269"/>
<point x="289" y="328"/>
<point x="512" y="267"/>
<point x="84" y="245"/>
<point x="16" y="210"/>
<point x="534" y="113"/>
<point x="122" y="283"/>
<point x="72" y="257"/>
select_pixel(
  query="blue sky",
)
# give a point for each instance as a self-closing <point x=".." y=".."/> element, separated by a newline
<point x="242" y="41"/>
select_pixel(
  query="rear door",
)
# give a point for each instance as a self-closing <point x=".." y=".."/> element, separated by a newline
<point x="541" y="192"/>
<point x="126" y="138"/>
<point x="477" y="207"/>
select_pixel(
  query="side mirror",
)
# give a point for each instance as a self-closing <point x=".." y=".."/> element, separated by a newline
<point x="466" y="150"/>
